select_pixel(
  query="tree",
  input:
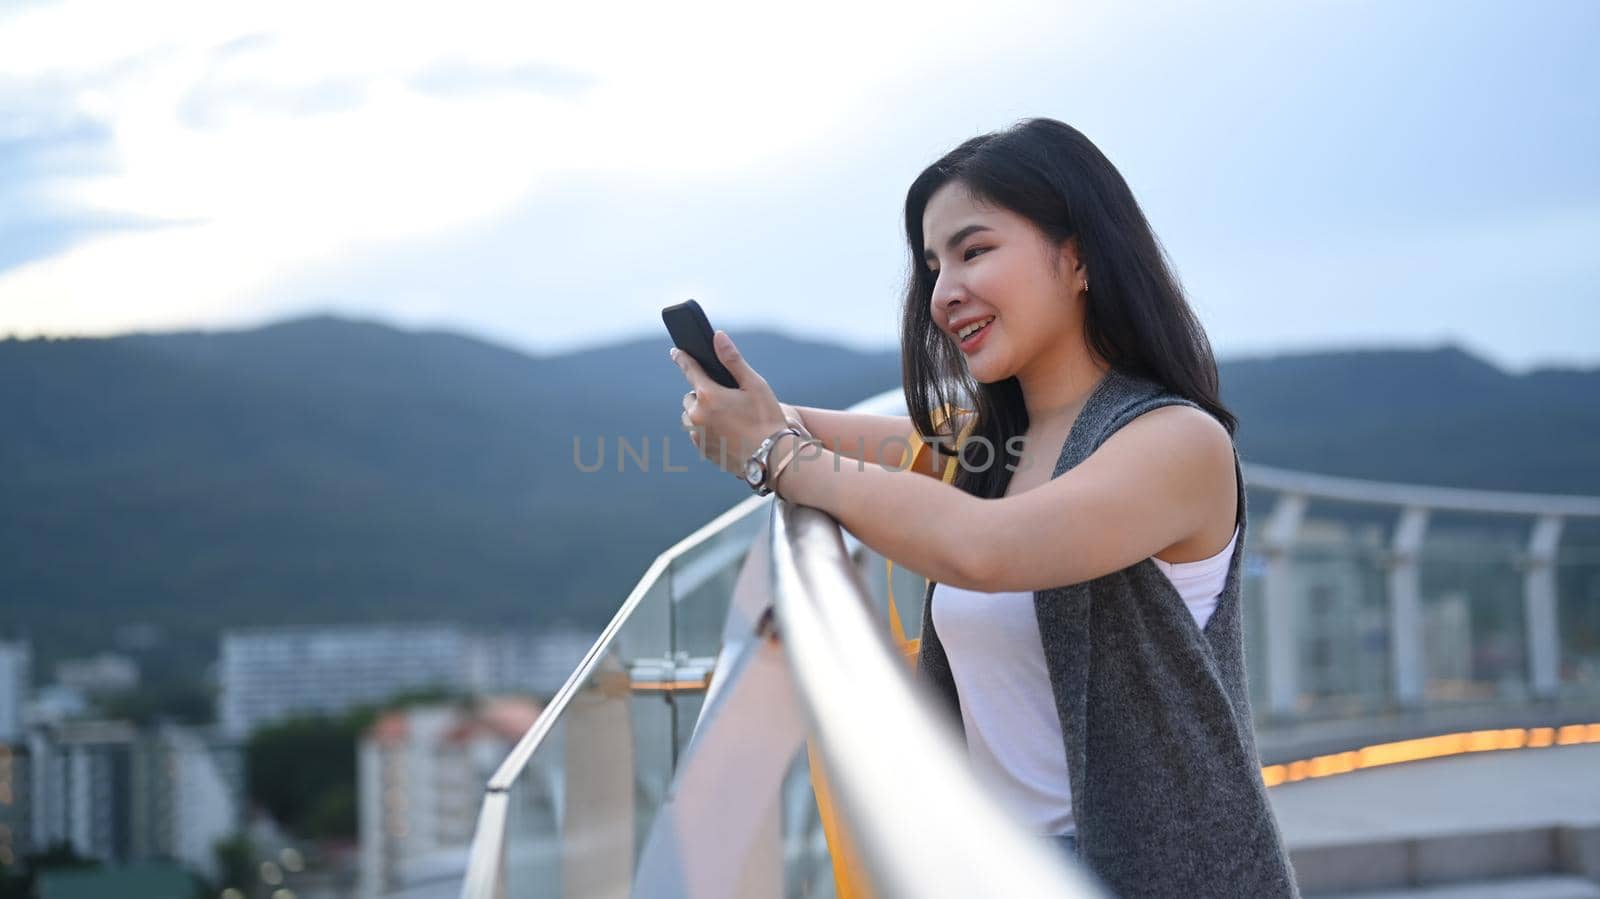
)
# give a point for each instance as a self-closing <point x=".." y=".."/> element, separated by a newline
<point x="236" y="863"/>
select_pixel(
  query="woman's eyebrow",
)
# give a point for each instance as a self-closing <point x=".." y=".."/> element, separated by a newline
<point x="955" y="240"/>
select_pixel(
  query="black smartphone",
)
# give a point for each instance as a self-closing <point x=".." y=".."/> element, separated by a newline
<point x="691" y="332"/>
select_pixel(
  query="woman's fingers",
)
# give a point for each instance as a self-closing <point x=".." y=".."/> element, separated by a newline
<point x="728" y="354"/>
<point x="691" y="370"/>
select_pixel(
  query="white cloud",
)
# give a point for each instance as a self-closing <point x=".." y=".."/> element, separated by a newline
<point x="552" y="177"/>
<point x="279" y="139"/>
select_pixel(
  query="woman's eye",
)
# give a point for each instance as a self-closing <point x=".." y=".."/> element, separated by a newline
<point x="971" y="252"/>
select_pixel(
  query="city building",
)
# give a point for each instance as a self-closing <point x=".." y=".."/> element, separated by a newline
<point x="420" y="773"/>
<point x="15" y="821"/>
<point x="16" y="661"/>
<point x="85" y="788"/>
<point x="203" y="784"/>
<point x="533" y="663"/>
<point x="120" y="795"/>
<point x="16" y="664"/>
<point x="55" y="702"/>
<point x="268" y="676"/>
<point x="98" y="675"/>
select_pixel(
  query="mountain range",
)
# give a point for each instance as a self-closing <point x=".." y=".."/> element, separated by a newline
<point x="327" y="469"/>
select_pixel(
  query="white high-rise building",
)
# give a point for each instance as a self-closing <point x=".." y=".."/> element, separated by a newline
<point x="204" y="796"/>
<point x="268" y="676"/>
<point x="420" y="777"/>
<point x="100" y="674"/>
<point x="16" y="663"/>
<point x="84" y="780"/>
<point x="119" y="794"/>
<point x="519" y="662"/>
<point x="16" y="803"/>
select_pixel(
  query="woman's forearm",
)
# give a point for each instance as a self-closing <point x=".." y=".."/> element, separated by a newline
<point x="879" y="439"/>
<point x="923" y="525"/>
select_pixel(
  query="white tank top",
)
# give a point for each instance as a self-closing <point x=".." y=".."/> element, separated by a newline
<point x="996" y="656"/>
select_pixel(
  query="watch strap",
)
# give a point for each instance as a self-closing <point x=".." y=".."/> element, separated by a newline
<point x="804" y="440"/>
<point x="764" y="452"/>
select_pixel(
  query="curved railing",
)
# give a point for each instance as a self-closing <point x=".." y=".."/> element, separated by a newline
<point x="1376" y="612"/>
<point x="596" y="788"/>
<point x="882" y="745"/>
<point x="1444" y="551"/>
<point x="563" y="813"/>
<point x="807" y="658"/>
<point x="1384" y="611"/>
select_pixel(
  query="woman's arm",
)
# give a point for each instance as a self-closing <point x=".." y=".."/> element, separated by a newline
<point x="1153" y="483"/>
<point x="874" y="439"/>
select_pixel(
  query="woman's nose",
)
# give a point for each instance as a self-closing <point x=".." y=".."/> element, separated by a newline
<point x="946" y="293"/>
<point x="945" y="301"/>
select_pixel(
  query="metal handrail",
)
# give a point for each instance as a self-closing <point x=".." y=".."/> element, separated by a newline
<point x="1361" y="490"/>
<point x="912" y="803"/>
<point x="486" y="855"/>
<point x="517" y="759"/>
<point x="1388" y="493"/>
<point x="832" y="637"/>
<point x="506" y="775"/>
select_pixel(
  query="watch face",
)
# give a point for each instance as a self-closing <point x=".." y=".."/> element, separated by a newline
<point x="752" y="472"/>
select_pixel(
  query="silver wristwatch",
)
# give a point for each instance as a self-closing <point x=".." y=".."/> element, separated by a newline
<point x="755" y="468"/>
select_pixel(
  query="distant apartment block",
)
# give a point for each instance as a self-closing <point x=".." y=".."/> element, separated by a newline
<point x="16" y="663"/>
<point x="204" y="796"/>
<point x="88" y="785"/>
<point x="420" y="777"/>
<point x="268" y="676"/>
<point x="122" y="795"/>
<point x="536" y="663"/>
<point x="98" y="675"/>
<point x="16" y="825"/>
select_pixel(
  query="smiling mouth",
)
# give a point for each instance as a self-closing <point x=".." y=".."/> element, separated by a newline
<point x="974" y="334"/>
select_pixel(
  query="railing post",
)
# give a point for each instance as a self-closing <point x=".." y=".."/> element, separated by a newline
<point x="712" y="838"/>
<point x="1278" y="605"/>
<point x="1405" y="608"/>
<point x="1539" y="606"/>
<point x="715" y="834"/>
<point x="500" y="884"/>
<point x="597" y="831"/>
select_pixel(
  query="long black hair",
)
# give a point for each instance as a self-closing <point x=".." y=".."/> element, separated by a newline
<point x="1136" y="318"/>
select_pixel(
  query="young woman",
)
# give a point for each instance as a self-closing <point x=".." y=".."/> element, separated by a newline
<point x="1082" y="620"/>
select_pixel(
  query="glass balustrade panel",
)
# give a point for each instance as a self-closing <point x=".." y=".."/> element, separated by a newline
<point x="581" y="807"/>
<point x="1471" y="582"/>
<point x="1336" y="585"/>
<point x="1577" y="583"/>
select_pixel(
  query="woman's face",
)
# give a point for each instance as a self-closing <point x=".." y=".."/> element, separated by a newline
<point x="999" y="265"/>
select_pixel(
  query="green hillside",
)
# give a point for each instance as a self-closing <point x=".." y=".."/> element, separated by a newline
<point x="332" y="470"/>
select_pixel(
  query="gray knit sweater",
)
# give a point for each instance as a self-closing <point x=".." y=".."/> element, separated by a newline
<point x="1155" y="713"/>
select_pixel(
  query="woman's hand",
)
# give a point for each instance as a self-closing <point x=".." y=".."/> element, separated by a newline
<point x="727" y="424"/>
<point x="792" y="416"/>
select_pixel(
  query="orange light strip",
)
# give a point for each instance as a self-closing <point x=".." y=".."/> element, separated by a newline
<point x="1430" y="748"/>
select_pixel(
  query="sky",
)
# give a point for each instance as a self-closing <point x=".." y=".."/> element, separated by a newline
<point x="548" y="176"/>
